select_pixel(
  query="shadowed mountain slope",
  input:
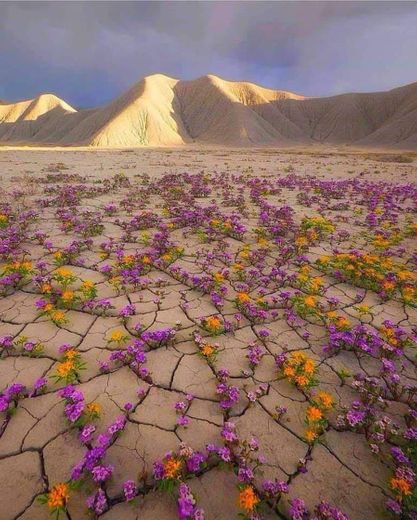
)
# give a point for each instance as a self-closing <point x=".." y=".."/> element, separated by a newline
<point x="162" y="111"/>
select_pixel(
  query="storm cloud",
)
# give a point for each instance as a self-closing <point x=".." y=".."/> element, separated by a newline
<point x="89" y="52"/>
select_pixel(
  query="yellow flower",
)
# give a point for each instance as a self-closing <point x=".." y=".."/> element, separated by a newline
<point x="128" y="259"/>
<point x="309" y="366"/>
<point x="58" y="316"/>
<point x="64" y="272"/>
<point x="363" y="309"/>
<point x="218" y="277"/>
<point x="46" y="288"/>
<point x="70" y="354"/>
<point x="67" y="296"/>
<point x="310" y="301"/>
<point x="117" y="336"/>
<point x="342" y="322"/>
<point x="88" y="284"/>
<point x="301" y="241"/>
<point x="94" y="408"/>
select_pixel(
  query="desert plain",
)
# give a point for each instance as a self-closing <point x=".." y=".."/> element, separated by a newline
<point x="176" y="317"/>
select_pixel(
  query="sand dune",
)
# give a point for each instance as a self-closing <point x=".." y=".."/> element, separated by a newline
<point x="160" y="110"/>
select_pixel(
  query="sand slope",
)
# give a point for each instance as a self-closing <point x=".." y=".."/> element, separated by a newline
<point x="160" y="110"/>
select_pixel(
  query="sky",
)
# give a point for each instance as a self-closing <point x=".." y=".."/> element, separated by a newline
<point x="90" y="52"/>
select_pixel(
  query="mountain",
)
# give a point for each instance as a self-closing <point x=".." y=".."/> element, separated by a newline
<point x="162" y="111"/>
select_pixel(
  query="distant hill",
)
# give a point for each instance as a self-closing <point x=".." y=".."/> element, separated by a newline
<point x="162" y="111"/>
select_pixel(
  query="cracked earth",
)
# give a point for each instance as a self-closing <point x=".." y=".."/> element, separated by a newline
<point x="189" y="334"/>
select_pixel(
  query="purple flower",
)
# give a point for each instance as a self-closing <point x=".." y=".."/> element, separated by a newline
<point x="102" y="473"/>
<point x="4" y="403"/>
<point x="87" y="433"/>
<point x="97" y="502"/>
<point x="129" y="490"/>
<point x="117" y="426"/>
<point x="411" y="434"/>
<point x="73" y="411"/>
<point x="245" y="474"/>
<point x="128" y="310"/>
<point x="77" y="470"/>
<point x="393" y="506"/>
<point x="15" y="389"/>
<point x="195" y="461"/>
<point x="180" y="406"/>
<point x="399" y="455"/>
<point x="158" y="470"/>
<point x="225" y="454"/>
<point x="297" y="509"/>
<point x="355" y="417"/>
<point x="275" y="487"/>
<point x="183" y="420"/>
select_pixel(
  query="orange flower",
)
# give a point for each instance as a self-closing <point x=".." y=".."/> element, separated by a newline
<point x="314" y="414"/>
<point x="58" y="316"/>
<point x="58" y="496"/>
<point x="401" y="485"/>
<point x="310" y="435"/>
<point x="325" y="400"/>
<point x="289" y="372"/>
<point x="65" y="368"/>
<point x="248" y="498"/>
<point x="70" y="354"/>
<point x="67" y="296"/>
<point x="207" y="350"/>
<point x="213" y="322"/>
<point x="172" y="467"/>
<point x="309" y="366"/>
<point x="388" y="285"/>
<point x="301" y="380"/>
<point x="310" y="301"/>
<point x="243" y="297"/>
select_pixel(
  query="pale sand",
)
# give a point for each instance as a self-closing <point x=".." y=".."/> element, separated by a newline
<point x="37" y="450"/>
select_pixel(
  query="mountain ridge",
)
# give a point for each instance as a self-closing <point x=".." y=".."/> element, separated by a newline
<point x="164" y="111"/>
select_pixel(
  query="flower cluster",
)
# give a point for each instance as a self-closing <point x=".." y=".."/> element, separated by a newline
<point x="298" y="368"/>
<point x="69" y="368"/>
